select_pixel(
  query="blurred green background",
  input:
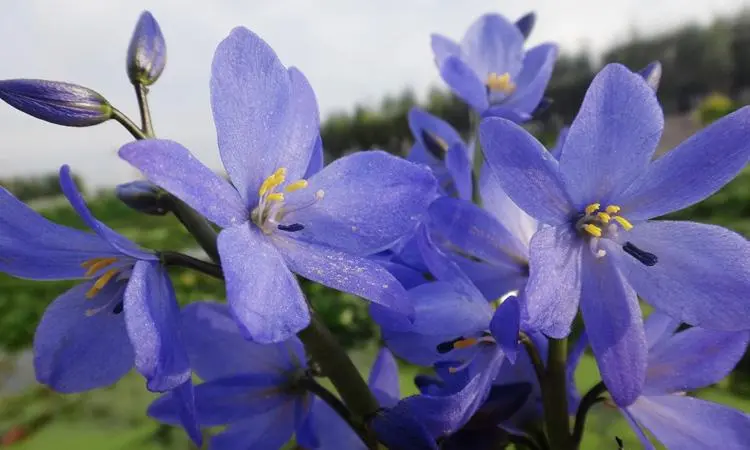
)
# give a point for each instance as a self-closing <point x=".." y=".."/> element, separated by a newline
<point x="33" y="418"/>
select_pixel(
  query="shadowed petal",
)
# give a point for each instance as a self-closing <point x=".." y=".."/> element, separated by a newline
<point x="702" y="276"/>
<point x="262" y="432"/>
<point x="421" y="122"/>
<point x="647" y="445"/>
<point x="505" y="326"/>
<point x="614" y="328"/>
<point x="692" y="171"/>
<point x="526" y="23"/>
<point x="613" y="137"/>
<point x="496" y="202"/>
<point x="464" y="82"/>
<point x="333" y="432"/>
<point x="493" y="45"/>
<point x="458" y="165"/>
<point x="682" y="422"/>
<point x="383" y="380"/>
<point x="171" y="166"/>
<point x="399" y="429"/>
<point x="316" y="159"/>
<point x="305" y="434"/>
<point x="525" y="170"/>
<point x="555" y="276"/>
<point x="263" y="294"/>
<point x="533" y="78"/>
<point x="185" y="398"/>
<point x="443" y="47"/>
<point x="659" y="327"/>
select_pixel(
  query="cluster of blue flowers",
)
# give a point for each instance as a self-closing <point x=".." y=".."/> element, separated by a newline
<point x="476" y="258"/>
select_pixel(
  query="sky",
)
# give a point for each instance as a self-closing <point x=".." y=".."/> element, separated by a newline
<point x="352" y="51"/>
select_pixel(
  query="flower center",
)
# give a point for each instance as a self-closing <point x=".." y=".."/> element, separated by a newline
<point x="596" y="224"/>
<point x="101" y="269"/>
<point x="273" y="205"/>
<point x="500" y="83"/>
<point x="461" y="343"/>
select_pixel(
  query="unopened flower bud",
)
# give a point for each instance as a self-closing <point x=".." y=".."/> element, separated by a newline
<point x="144" y="197"/>
<point x="56" y="102"/>
<point x="147" y="52"/>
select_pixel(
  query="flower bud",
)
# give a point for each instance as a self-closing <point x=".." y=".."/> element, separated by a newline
<point x="143" y="196"/>
<point x="526" y="23"/>
<point x="652" y="74"/>
<point x="147" y="52"/>
<point x="56" y="102"/>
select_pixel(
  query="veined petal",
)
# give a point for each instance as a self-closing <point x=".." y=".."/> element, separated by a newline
<point x="496" y="202"/>
<point x="613" y="137"/>
<point x="399" y="429"/>
<point x="345" y="272"/>
<point x="659" y="327"/>
<point x="693" y="359"/>
<point x="316" y="159"/>
<point x="493" y="45"/>
<point x="184" y="395"/>
<point x="371" y="200"/>
<point x="679" y="422"/>
<point x="505" y="326"/>
<point x="702" y="276"/>
<point x="262" y="293"/>
<point x="533" y="78"/>
<point x="421" y="121"/>
<point x="305" y="434"/>
<point x="692" y="171"/>
<point x="458" y="165"/>
<point x="218" y="350"/>
<point x="270" y="430"/>
<point x="525" y="170"/>
<point x="75" y="351"/>
<point x="555" y="280"/>
<point x="443" y="47"/>
<point x="464" y="82"/>
<point x="383" y="380"/>
<point x="172" y="166"/>
<point x="614" y="328"/>
<point x="152" y="319"/>
<point x="333" y="432"/>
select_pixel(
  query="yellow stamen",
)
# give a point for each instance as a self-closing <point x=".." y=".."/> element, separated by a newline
<point x="453" y="369"/>
<point x="96" y="264"/>
<point x="592" y="208"/>
<point x="296" y="186"/>
<point x="273" y="181"/>
<point x="464" y="343"/>
<point x="101" y="282"/>
<point x="275" y="197"/>
<point x="624" y="223"/>
<point x="593" y="229"/>
<point x="603" y="217"/>
<point x="612" y="209"/>
<point x="500" y="83"/>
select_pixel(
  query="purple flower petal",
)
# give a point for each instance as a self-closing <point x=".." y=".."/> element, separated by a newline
<point x="333" y="432"/>
<point x="702" y="276"/>
<point x="152" y="320"/>
<point x="682" y="422"/>
<point x="172" y="166"/>
<point x="533" y="78"/>
<point x="443" y="47"/>
<point x="693" y="359"/>
<point x="464" y="82"/>
<point x="614" y="328"/>
<point x="316" y="159"/>
<point x="348" y="273"/>
<point x="383" y="380"/>
<point x="458" y="165"/>
<point x="555" y="276"/>
<point x="263" y="294"/>
<point x="305" y="433"/>
<point x="525" y="170"/>
<point x="496" y="202"/>
<point x="692" y="171"/>
<point x="658" y="327"/>
<point x="270" y="430"/>
<point x="184" y="395"/>
<point x="505" y="326"/>
<point x="647" y="445"/>
<point x="560" y="143"/>
<point x="611" y="141"/>
<point x="525" y="24"/>
<point x="75" y="351"/>
<point x="492" y="44"/>
<point x="371" y="200"/>
<point x="421" y="122"/>
<point x="399" y="429"/>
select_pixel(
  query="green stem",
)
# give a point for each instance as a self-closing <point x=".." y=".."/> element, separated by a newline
<point x="197" y="225"/>
<point x="176" y="259"/>
<point x="128" y="124"/>
<point x="592" y="397"/>
<point x="555" y="396"/>
<point x="536" y="359"/>
<point x="147" y="126"/>
<point x="478" y="159"/>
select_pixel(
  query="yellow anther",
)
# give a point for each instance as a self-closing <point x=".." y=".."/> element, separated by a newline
<point x="273" y="181"/>
<point x="592" y="208"/>
<point x="603" y="217"/>
<point x="464" y="343"/>
<point x="623" y="223"/>
<point x="296" y="186"/>
<point x="612" y="209"/>
<point x="96" y="264"/>
<point x="453" y="369"/>
<point x="500" y="83"/>
<point x="593" y="230"/>
<point x="101" y="282"/>
<point x="275" y="197"/>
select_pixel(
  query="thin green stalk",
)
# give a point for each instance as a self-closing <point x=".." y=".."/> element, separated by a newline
<point x="592" y="397"/>
<point x="128" y="124"/>
<point x="176" y="259"/>
<point x="555" y="396"/>
<point x="141" y="93"/>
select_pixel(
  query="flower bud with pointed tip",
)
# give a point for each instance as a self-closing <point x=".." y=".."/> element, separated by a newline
<point x="652" y="74"/>
<point x="143" y="196"/>
<point x="147" y="52"/>
<point x="526" y="23"/>
<point x="56" y="102"/>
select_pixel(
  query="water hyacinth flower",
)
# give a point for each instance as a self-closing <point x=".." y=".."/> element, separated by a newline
<point x="490" y="71"/>
<point x="686" y="361"/>
<point x="276" y="217"/>
<point x="56" y="102"/>
<point x="597" y="247"/>
<point x="147" y="51"/>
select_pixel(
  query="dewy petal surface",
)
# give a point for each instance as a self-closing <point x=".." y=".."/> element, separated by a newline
<point x="613" y="137"/>
<point x="263" y="294"/>
<point x="702" y="277"/>
<point x="525" y="170"/>
<point x="492" y="44"/>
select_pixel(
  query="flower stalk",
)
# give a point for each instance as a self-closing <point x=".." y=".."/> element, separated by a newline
<point x="554" y="396"/>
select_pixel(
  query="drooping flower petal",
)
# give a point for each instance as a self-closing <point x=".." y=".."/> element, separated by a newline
<point x="492" y="44"/>
<point x="497" y="203"/>
<point x="152" y="319"/>
<point x="692" y="171"/>
<point x="263" y="294"/>
<point x="371" y="200"/>
<point x="383" y="380"/>
<point x="614" y="328"/>
<point x="525" y="170"/>
<point x="702" y="276"/>
<point x="270" y="430"/>
<point x="74" y="350"/>
<point x="532" y="81"/>
<point x="613" y="137"/>
<point x="174" y="168"/>
<point x="464" y="83"/>
<point x="443" y="47"/>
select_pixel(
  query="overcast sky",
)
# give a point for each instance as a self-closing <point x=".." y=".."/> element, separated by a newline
<point x="352" y="51"/>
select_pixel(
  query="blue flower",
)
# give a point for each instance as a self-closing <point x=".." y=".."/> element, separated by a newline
<point x="597" y="247"/>
<point x="682" y="362"/>
<point x="491" y="72"/>
<point x="277" y="216"/>
<point x="147" y="52"/>
<point x="124" y="313"/>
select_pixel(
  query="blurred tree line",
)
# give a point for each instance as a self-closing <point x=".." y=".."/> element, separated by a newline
<point x="32" y="187"/>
